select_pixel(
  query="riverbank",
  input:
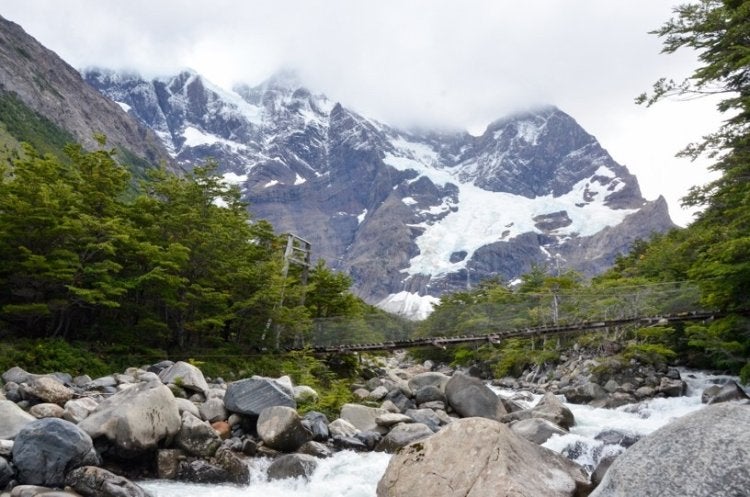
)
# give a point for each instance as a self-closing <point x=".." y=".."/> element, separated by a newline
<point x="167" y="421"/>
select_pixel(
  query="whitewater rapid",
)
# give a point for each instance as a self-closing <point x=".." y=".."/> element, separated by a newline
<point x="351" y="474"/>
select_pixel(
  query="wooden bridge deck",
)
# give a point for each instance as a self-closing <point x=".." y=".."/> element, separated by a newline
<point x="499" y="336"/>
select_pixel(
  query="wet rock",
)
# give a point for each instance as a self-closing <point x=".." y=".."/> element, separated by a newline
<point x="234" y="465"/>
<point x="671" y="388"/>
<point x="292" y="466"/>
<point x="200" y="471"/>
<point x="716" y="394"/>
<point x="168" y="463"/>
<point x="614" y="437"/>
<point x="315" y="449"/>
<point x="341" y="428"/>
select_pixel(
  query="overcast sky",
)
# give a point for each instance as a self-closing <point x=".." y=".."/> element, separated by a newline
<point x="415" y="62"/>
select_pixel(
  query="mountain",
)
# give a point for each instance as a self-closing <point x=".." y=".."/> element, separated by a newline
<point x="44" y="99"/>
<point x="410" y="215"/>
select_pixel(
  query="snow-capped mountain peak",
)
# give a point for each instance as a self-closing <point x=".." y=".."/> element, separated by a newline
<point x="408" y="214"/>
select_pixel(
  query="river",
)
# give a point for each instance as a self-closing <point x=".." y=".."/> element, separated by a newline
<point x="350" y="474"/>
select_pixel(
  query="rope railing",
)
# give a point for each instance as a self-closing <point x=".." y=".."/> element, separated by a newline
<point x="522" y="314"/>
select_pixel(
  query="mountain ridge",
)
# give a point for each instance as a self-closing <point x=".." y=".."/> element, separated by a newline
<point x="418" y="212"/>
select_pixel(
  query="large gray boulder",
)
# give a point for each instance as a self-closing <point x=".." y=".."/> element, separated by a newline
<point x="251" y="395"/>
<point x="47" y="449"/>
<point x="469" y="397"/>
<point x="135" y="419"/>
<point x="702" y="453"/>
<point x="12" y="419"/>
<point x="479" y="457"/>
<point x="91" y="481"/>
<point x="281" y="428"/>
<point x="186" y="376"/>
<point x="17" y="375"/>
<point x="196" y="437"/>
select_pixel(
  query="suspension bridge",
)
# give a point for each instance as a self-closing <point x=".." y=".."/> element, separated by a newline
<point x="531" y="315"/>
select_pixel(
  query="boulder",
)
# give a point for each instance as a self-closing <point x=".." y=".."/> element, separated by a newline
<point x="317" y="423"/>
<point x="550" y="408"/>
<point x="200" y="471"/>
<point x="7" y="472"/>
<point x="480" y="457"/>
<point x="537" y="430"/>
<point x="583" y="394"/>
<point x="213" y="410"/>
<point x="136" y="419"/>
<point x="168" y="463"/>
<point x="315" y="449"/>
<point x="402" y="435"/>
<point x="17" y="375"/>
<point x="469" y="397"/>
<point x="46" y="449"/>
<point x="13" y="419"/>
<point x="46" y="410"/>
<point x="341" y="428"/>
<point x="426" y="417"/>
<point x="304" y="394"/>
<point x="400" y="400"/>
<point x="91" y="481"/>
<point x="292" y="466"/>
<point x="430" y="393"/>
<point x="702" y="453"/>
<point x="391" y="419"/>
<point x="250" y="396"/>
<point x="184" y="405"/>
<point x="430" y="378"/>
<point x="234" y="465"/>
<point x="281" y="428"/>
<point x="362" y="417"/>
<point x="730" y="391"/>
<point x="6" y="448"/>
<point x="671" y="388"/>
<point x="186" y="376"/>
<point x="378" y="394"/>
<point x="197" y="437"/>
<point x="76" y="410"/>
<point x="47" y="389"/>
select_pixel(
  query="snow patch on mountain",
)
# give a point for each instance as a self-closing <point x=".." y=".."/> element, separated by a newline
<point x="485" y="217"/>
<point x="196" y="138"/>
<point x="409" y="305"/>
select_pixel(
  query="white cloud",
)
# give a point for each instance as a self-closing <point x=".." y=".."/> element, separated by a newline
<point x="428" y="63"/>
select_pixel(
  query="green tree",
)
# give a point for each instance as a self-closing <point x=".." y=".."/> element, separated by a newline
<point x="718" y="31"/>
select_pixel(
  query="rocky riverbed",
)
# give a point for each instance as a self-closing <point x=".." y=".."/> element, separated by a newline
<point x="451" y="433"/>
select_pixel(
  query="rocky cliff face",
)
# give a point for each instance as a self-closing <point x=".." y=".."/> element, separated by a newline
<point x="410" y="215"/>
<point x="50" y="87"/>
